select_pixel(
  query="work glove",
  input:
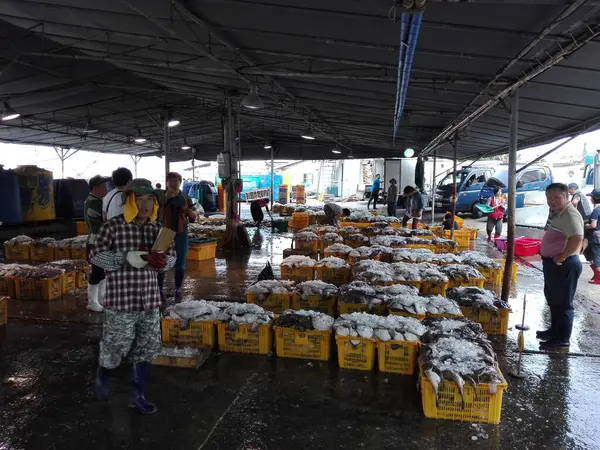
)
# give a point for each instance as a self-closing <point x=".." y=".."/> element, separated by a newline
<point x="137" y="259"/>
<point x="157" y="260"/>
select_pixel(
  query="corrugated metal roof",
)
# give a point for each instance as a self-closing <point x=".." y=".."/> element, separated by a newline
<point x="328" y="63"/>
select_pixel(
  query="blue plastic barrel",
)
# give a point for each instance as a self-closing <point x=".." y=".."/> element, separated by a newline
<point x="11" y="212"/>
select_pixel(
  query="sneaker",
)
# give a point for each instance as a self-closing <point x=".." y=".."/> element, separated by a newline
<point x="555" y="343"/>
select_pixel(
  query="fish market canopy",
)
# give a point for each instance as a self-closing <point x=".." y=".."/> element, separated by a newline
<point x="334" y="69"/>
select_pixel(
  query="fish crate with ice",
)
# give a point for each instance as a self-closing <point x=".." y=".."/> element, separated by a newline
<point x="394" y="312"/>
<point x="63" y="253"/>
<point x="333" y="276"/>
<point x="311" y="246"/>
<point x="3" y="310"/>
<point x="243" y="339"/>
<point x="38" y="289"/>
<point x="490" y="321"/>
<point x="18" y="252"/>
<point x="355" y="352"/>
<point x="397" y="356"/>
<point x="424" y="245"/>
<point x="462" y="236"/>
<point x="433" y="287"/>
<point x="276" y="303"/>
<point x="324" y="304"/>
<point x="297" y="274"/>
<point x="342" y="255"/>
<point x="414" y="283"/>
<point x="492" y="276"/>
<point x="67" y="282"/>
<point x="81" y="279"/>
<point x="348" y="308"/>
<point x="473" y="233"/>
<point x="309" y="344"/>
<point x="7" y="287"/>
<point x="356" y="224"/>
<point x="480" y="405"/>
<point x="43" y="253"/>
<point x="79" y="253"/>
<point x="458" y="282"/>
<point x="197" y="334"/>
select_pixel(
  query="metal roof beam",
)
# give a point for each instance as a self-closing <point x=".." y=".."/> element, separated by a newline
<point x="591" y="32"/>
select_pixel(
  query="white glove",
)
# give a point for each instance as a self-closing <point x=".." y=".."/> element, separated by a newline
<point x="135" y="259"/>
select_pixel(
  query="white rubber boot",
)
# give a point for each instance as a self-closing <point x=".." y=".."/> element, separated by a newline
<point x="101" y="291"/>
<point x="93" y="305"/>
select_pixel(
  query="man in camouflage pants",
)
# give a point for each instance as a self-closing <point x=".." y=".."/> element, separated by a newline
<point x="131" y="315"/>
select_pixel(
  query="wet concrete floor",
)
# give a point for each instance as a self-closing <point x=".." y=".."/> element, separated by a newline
<point x="48" y="354"/>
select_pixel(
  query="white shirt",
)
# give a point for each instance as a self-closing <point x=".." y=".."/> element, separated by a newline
<point x="112" y="207"/>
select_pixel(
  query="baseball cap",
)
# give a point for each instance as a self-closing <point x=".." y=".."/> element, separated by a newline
<point x="573" y="186"/>
<point x="97" y="180"/>
<point x="595" y="194"/>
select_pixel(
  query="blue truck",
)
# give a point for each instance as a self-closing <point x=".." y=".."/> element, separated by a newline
<point x="469" y="181"/>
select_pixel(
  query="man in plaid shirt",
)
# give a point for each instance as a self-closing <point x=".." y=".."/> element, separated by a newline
<point x="131" y="316"/>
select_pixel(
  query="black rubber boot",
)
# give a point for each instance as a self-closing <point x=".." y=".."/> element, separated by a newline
<point x="139" y="381"/>
<point x="552" y="331"/>
<point x="101" y="384"/>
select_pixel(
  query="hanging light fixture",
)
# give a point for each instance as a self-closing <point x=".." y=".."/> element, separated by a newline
<point x="185" y="145"/>
<point x="308" y="135"/>
<point x="253" y="100"/>
<point x="267" y="145"/>
<point x="89" y="127"/>
<point x="140" y="139"/>
<point x="409" y="152"/>
<point x="173" y="122"/>
<point x="336" y="150"/>
<point x="8" y="113"/>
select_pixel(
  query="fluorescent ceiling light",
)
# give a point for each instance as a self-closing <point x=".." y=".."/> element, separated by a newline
<point x="267" y="145"/>
<point x="173" y="123"/>
<point x="140" y="139"/>
<point x="89" y="128"/>
<point x="308" y="134"/>
<point x="8" y="113"/>
<point x="336" y="151"/>
<point x="185" y="145"/>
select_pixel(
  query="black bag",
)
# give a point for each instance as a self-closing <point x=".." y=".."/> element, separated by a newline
<point x="266" y="273"/>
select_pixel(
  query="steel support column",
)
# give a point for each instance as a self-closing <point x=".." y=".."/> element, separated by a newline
<point x="167" y="143"/>
<point x="433" y="188"/>
<point x="136" y="159"/>
<point x="512" y="194"/>
<point x="454" y="190"/>
<point x="272" y="176"/>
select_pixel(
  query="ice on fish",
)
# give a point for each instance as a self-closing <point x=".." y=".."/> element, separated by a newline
<point x="316" y="287"/>
<point x="460" y="271"/>
<point x="339" y="248"/>
<point x="265" y="288"/>
<point x="333" y="262"/>
<point x="303" y="320"/>
<point x="478" y="259"/>
<point x="306" y="236"/>
<point x="298" y="261"/>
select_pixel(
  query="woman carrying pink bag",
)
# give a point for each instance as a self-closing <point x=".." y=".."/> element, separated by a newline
<point x="494" y="219"/>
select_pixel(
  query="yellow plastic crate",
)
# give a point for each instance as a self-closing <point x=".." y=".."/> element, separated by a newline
<point x="67" y="282"/>
<point x="178" y="361"/>
<point x="432" y="288"/>
<point x="480" y="405"/>
<point x="458" y="282"/>
<point x="324" y="244"/>
<point x="354" y="260"/>
<point x="473" y="232"/>
<point x="276" y="303"/>
<point x="355" y="244"/>
<point x="43" y="254"/>
<point x="514" y="267"/>
<point x="340" y="255"/>
<point x="415" y="283"/>
<point x="38" y="289"/>
<point x="81" y="227"/>
<point x="244" y="340"/>
<point x="445" y="248"/>
<point x="3" y="310"/>
<point x="297" y="274"/>
<point x="19" y="252"/>
<point x="397" y="356"/>
<point x="463" y="237"/>
<point x="460" y="222"/>
<point x="311" y="246"/>
<point x="81" y="279"/>
<point x="356" y="224"/>
<point x="200" y="252"/>
<point x="333" y="276"/>
<point x="319" y="303"/>
<point x="63" y="253"/>
<point x="355" y="352"/>
<point x="79" y="253"/>
<point x="424" y="245"/>
<point x="7" y="287"/>
<point x="490" y="322"/>
<point x="492" y="276"/>
<point x="310" y="344"/>
<point x="405" y="314"/>
<point x="347" y="308"/>
<point x="198" y="334"/>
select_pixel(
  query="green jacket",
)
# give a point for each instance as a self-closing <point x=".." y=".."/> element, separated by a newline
<point x="92" y="211"/>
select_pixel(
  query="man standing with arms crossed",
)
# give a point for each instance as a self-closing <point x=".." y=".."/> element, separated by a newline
<point x="560" y="250"/>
